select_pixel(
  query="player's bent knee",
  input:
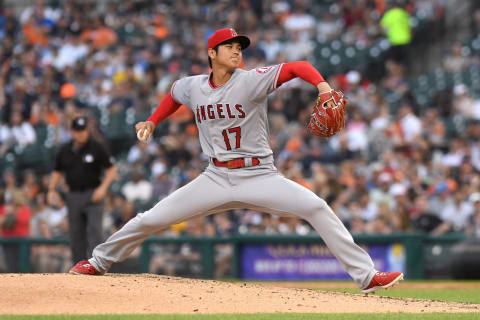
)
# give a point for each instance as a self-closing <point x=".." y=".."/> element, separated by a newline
<point x="320" y="206"/>
<point x="152" y="221"/>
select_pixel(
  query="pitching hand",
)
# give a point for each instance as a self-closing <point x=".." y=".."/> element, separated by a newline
<point x="144" y="130"/>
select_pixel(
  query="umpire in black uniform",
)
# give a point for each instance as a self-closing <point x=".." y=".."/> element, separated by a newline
<point x="82" y="162"/>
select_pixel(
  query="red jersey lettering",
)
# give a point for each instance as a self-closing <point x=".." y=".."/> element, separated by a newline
<point x="210" y="113"/>
<point x="220" y="111"/>
<point x="239" y="109"/>
<point x="198" y="115"/>
<point x="230" y="115"/>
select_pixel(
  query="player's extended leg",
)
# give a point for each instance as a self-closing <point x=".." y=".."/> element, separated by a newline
<point x="274" y="193"/>
<point x="203" y="195"/>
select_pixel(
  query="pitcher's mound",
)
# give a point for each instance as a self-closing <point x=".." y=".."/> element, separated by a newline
<point x="146" y="293"/>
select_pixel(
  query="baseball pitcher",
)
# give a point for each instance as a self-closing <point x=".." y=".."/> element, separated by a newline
<point x="230" y="108"/>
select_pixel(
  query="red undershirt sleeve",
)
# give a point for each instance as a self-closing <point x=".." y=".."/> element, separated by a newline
<point x="164" y="109"/>
<point x="299" y="69"/>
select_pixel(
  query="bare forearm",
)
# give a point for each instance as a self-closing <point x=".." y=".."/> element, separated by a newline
<point x="110" y="175"/>
<point x="54" y="180"/>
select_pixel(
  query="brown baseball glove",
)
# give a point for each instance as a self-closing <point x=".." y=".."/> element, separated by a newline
<point x="328" y="115"/>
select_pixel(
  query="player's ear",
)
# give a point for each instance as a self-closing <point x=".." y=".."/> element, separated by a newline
<point x="212" y="53"/>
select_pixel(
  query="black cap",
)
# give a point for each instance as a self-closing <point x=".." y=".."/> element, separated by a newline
<point x="79" y="124"/>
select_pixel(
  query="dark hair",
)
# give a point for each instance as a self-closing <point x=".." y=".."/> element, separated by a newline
<point x="220" y="44"/>
<point x="210" y="60"/>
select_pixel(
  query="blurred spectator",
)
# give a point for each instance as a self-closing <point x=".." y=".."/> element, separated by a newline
<point x="380" y="194"/>
<point x="57" y="219"/>
<point x="298" y="48"/>
<point x="456" y="154"/>
<point x="18" y="95"/>
<point x="187" y="257"/>
<point x="39" y="227"/>
<point x="440" y="199"/>
<point x="396" y="23"/>
<point x="368" y="209"/>
<point x="455" y="61"/>
<point x="357" y="130"/>
<point x="434" y="129"/>
<point x="422" y="218"/>
<point x="401" y="216"/>
<point x="465" y="105"/>
<point x="410" y="125"/>
<point x="455" y="216"/>
<point x="271" y="46"/>
<point x="300" y="22"/>
<point x="98" y="34"/>
<point x="473" y="227"/>
<point x="11" y="186"/>
<point x="120" y="213"/>
<point x="70" y="52"/>
<point x="49" y="223"/>
<point x="223" y="252"/>
<point x="382" y="222"/>
<point x="34" y="32"/>
<point x="162" y="185"/>
<point x="14" y="222"/>
<point x="141" y="153"/>
<point x="328" y="28"/>
<point x="19" y="134"/>
<point x="394" y="83"/>
<point x="138" y="188"/>
<point x="30" y="186"/>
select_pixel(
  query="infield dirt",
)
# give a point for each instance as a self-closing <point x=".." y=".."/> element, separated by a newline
<point x="146" y="293"/>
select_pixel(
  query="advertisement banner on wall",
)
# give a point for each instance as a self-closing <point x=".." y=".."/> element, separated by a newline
<point x="310" y="261"/>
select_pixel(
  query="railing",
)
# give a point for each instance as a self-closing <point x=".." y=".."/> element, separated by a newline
<point x="414" y="245"/>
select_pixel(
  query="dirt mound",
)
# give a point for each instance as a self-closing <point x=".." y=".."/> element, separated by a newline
<point x="146" y="293"/>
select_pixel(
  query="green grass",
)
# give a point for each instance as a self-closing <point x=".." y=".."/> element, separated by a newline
<point x="467" y="295"/>
<point x="266" y="316"/>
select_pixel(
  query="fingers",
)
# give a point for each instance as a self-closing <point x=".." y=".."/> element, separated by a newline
<point x="141" y="125"/>
<point x="143" y="134"/>
<point x="143" y="131"/>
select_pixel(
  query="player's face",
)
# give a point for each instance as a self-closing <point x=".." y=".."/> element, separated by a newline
<point x="229" y="55"/>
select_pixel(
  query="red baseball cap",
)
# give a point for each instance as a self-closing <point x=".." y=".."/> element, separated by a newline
<point x="226" y="34"/>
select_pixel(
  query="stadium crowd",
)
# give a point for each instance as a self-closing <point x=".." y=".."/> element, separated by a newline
<point x="396" y="167"/>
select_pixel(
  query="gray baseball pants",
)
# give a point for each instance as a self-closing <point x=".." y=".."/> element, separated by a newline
<point x="260" y="188"/>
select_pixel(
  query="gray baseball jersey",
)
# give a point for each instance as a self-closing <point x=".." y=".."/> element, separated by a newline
<point x="231" y="119"/>
<point x="232" y="122"/>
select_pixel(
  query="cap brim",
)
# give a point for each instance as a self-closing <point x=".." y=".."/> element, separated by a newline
<point x="244" y="41"/>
